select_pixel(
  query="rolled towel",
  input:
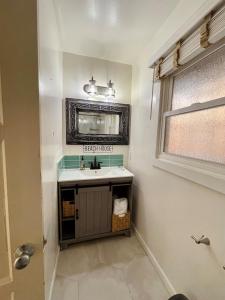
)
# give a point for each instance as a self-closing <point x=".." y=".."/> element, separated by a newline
<point x="120" y="206"/>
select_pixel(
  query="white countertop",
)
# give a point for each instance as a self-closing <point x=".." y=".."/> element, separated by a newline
<point x="87" y="174"/>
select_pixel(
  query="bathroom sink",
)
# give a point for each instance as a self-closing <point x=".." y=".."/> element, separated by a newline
<point x="87" y="174"/>
<point x="98" y="173"/>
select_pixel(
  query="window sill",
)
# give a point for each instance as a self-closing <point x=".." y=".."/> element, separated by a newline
<point x="203" y="176"/>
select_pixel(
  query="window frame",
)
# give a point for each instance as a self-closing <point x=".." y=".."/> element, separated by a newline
<point x="207" y="173"/>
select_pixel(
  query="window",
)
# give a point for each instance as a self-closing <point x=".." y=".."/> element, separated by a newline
<point x="197" y="134"/>
<point x="194" y="117"/>
<point x="190" y="104"/>
<point x="191" y="131"/>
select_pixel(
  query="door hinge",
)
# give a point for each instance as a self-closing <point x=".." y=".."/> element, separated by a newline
<point x="44" y="241"/>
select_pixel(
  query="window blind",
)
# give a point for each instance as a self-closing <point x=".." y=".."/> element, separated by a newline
<point x="209" y="32"/>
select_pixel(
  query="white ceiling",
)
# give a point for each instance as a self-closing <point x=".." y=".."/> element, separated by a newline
<point x="116" y="30"/>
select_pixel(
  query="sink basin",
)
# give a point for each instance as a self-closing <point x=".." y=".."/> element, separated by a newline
<point x="99" y="173"/>
<point x="87" y="174"/>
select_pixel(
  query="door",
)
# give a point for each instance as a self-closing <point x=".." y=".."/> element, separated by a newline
<point x="93" y="211"/>
<point x="20" y="182"/>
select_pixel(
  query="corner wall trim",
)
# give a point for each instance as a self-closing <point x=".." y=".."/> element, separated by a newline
<point x="53" y="276"/>
<point x="171" y="290"/>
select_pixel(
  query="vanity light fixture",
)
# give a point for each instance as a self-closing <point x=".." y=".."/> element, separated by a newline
<point x="96" y="90"/>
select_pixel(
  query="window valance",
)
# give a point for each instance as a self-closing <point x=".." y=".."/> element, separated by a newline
<point x="209" y="32"/>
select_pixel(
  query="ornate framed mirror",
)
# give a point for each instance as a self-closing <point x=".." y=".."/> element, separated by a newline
<point x="96" y="122"/>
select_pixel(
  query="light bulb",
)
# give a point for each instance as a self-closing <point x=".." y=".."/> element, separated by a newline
<point x="92" y="90"/>
<point x="110" y="90"/>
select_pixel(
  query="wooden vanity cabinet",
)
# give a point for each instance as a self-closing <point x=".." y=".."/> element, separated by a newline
<point x="88" y="209"/>
<point x="94" y="211"/>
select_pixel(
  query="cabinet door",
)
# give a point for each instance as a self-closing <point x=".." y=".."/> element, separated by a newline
<point x="93" y="211"/>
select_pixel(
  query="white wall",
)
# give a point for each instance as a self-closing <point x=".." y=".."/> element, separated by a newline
<point x="50" y="89"/>
<point x="77" y="70"/>
<point x="169" y="209"/>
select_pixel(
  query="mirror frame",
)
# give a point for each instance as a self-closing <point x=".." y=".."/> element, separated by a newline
<point x="73" y="137"/>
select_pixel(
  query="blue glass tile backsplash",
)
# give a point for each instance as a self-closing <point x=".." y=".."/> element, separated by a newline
<point x="73" y="161"/>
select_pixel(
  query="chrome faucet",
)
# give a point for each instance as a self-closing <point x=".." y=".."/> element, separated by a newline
<point x="201" y="240"/>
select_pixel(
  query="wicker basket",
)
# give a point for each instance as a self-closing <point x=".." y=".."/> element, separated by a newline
<point x="68" y="209"/>
<point x="120" y="222"/>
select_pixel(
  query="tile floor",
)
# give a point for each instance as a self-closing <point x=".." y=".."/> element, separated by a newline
<point x="108" y="269"/>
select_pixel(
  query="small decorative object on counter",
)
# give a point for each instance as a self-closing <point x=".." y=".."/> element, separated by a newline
<point x="120" y="222"/>
<point x="82" y="165"/>
<point x="68" y="209"/>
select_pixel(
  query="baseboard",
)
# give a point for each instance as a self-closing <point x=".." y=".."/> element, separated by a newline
<point x="54" y="275"/>
<point x="171" y="290"/>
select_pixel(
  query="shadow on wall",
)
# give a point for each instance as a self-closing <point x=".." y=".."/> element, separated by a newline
<point x="135" y="202"/>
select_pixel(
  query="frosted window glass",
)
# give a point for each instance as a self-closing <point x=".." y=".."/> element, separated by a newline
<point x="202" y="82"/>
<point x="199" y="134"/>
